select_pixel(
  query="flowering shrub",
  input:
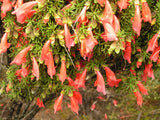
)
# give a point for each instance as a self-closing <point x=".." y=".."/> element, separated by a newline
<point x="54" y="44"/>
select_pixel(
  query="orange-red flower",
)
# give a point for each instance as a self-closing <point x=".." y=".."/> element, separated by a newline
<point x="8" y="88"/>
<point x="4" y="45"/>
<point x="122" y="4"/>
<point x="58" y="19"/>
<point x="136" y="20"/>
<point x="115" y="102"/>
<point x="93" y="106"/>
<point x="21" y="56"/>
<point x="100" y="83"/>
<point x="72" y="83"/>
<point x="128" y="51"/>
<point x="68" y="38"/>
<point x="142" y="89"/>
<point x="108" y="13"/>
<point x="146" y="12"/>
<point x="153" y="43"/>
<point x="6" y="6"/>
<point x="115" y="24"/>
<point x="83" y="48"/>
<point x="63" y="75"/>
<point x="40" y="103"/>
<point x="109" y="32"/>
<point x="18" y="4"/>
<point x="75" y="100"/>
<point x="101" y="2"/>
<point x="57" y="104"/>
<point x="133" y="72"/>
<point x="105" y="116"/>
<point x="45" y="50"/>
<point x="35" y="68"/>
<point x="82" y="18"/>
<point x="148" y="72"/>
<point x="139" y="98"/>
<point x="23" y="72"/>
<point x="25" y="11"/>
<point x="74" y="105"/>
<point x="80" y="79"/>
<point x="78" y="96"/>
<point x="111" y="78"/>
<point x="139" y="62"/>
<point x="46" y="18"/>
<point x="50" y="65"/>
<point x="90" y="42"/>
<point x="155" y="54"/>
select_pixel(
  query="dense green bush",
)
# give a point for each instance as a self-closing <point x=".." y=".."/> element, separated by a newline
<point x="52" y="42"/>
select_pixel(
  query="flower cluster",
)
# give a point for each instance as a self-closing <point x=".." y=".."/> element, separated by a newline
<point x="54" y="45"/>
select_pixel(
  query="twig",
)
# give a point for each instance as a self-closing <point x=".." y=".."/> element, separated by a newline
<point x="70" y="57"/>
<point x="139" y="115"/>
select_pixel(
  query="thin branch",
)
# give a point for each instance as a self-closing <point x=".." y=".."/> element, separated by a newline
<point x="70" y="57"/>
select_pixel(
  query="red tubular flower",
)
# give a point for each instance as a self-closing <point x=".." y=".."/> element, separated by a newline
<point x="18" y="4"/>
<point x="109" y="33"/>
<point x="4" y="45"/>
<point x="46" y="18"/>
<point x="142" y="89"/>
<point x="153" y="43"/>
<point x="6" y="6"/>
<point x="75" y="100"/>
<point x="82" y="18"/>
<point x="115" y="102"/>
<point x="122" y="4"/>
<point x="83" y="48"/>
<point x="128" y="51"/>
<point x="155" y="54"/>
<point x="57" y="104"/>
<point x="63" y="75"/>
<point x="100" y="83"/>
<point x="35" y="68"/>
<point x="139" y="62"/>
<point x="72" y="83"/>
<point x="50" y="65"/>
<point x="74" y="105"/>
<point x="108" y="13"/>
<point x="8" y="88"/>
<point x="93" y="107"/>
<point x="148" y="72"/>
<point x="21" y="56"/>
<point x="68" y="38"/>
<point x="66" y="7"/>
<point x="133" y="72"/>
<point x="23" y="72"/>
<point x="80" y="79"/>
<point x="111" y="78"/>
<point x="78" y="65"/>
<point x="105" y="116"/>
<point x="139" y="98"/>
<point x="116" y="24"/>
<point x="101" y="2"/>
<point x="58" y="19"/>
<point x="146" y="12"/>
<point x="136" y="23"/>
<point x="45" y="50"/>
<point x="78" y="96"/>
<point x="90" y="41"/>
<point x="24" y="11"/>
<point x="40" y="103"/>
